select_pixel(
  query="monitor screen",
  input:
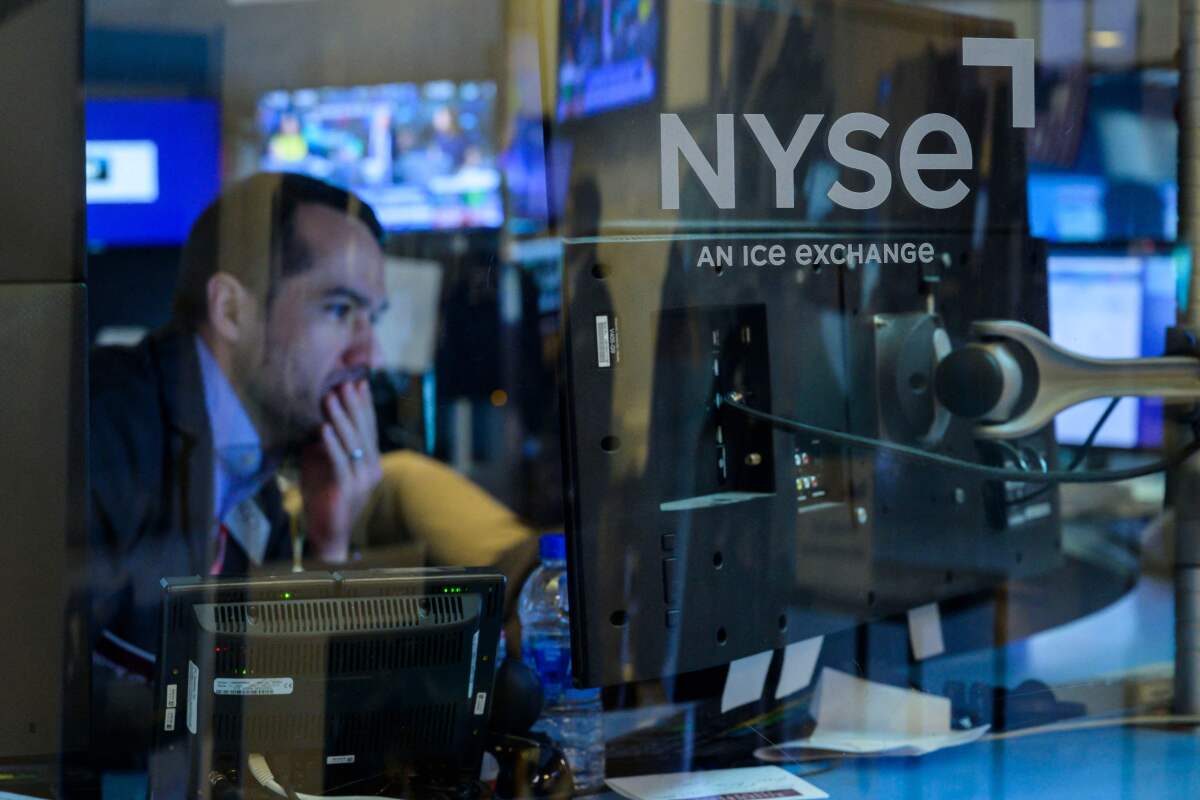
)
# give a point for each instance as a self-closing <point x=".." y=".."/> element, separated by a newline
<point x="1072" y="208"/>
<point x="673" y="499"/>
<point x="341" y="681"/>
<point x="607" y="55"/>
<point x="1104" y="167"/>
<point x="423" y="156"/>
<point x="1112" y="306"/>
<point x="152" y="166"/>
<point x="537" y="170"/>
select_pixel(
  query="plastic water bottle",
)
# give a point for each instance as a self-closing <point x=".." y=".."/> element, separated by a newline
<point x="570" y="717"/>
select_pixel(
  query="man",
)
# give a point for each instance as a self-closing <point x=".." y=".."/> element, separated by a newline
<point x="266" y="359"/>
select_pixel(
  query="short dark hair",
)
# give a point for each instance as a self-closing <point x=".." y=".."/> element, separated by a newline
<point x="249" y="232"/>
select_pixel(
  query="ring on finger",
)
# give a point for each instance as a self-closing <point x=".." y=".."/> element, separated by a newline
<point x="357" y="454"/>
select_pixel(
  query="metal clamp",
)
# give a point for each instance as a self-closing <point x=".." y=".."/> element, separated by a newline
<point x="1061" y="379"/>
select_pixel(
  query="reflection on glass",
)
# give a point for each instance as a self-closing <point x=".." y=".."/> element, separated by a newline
<point x="750" y="298"/>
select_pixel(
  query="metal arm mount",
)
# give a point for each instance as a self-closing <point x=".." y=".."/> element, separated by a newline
<point x="1013" y="379"/>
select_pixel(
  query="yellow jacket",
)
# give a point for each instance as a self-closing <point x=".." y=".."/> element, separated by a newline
<point x="423" y="513"/>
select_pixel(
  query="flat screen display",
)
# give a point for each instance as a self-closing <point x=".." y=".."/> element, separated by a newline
<point x="152" y="166"/>
<point x="1112" y="306"/>
<point x="537" y="170"/>
<point x="1103" y="170"/>
<point x="607" y="55"/>
<point x="1070" y="208"/>
<point x="423" y="155"/>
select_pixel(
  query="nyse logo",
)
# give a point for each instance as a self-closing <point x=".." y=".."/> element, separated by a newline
<point x="719" y="181"/>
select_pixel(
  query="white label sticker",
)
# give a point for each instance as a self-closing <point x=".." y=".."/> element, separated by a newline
<point x="602" y="342"/>
<point x="193" y="695"/>
<point x="925" y="632"/>
<point x="474" y="655"/>
<point x="339" y="760"/>
<point x="480" y="703"/>
<point x="172" y="695"/>
<point x="249" y="686"/>
<point x="169" y="720"/>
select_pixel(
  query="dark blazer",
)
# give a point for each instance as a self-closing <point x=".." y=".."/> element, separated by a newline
<point x="152" y="498"/>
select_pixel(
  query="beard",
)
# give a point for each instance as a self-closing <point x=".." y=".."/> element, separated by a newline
<point x="288" y="421"/>
<point x="286" y="414"/>
<point x="288" y="409"/>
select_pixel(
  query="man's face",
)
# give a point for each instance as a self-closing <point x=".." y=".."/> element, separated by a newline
<point x="318" y="332"/>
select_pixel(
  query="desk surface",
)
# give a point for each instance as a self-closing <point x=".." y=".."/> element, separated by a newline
<point x="1105" y="764"/>
<point x="1117" y="763"/>
<point x="1089" y="659"/>
<point x="1094" y="659"/>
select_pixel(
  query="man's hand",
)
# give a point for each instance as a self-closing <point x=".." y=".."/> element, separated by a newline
<point x="339" y="472"/>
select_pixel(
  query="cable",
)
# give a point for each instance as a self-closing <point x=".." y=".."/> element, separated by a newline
<point x="1015" y="452"/>
<point x="259" y="768"/>
<point x="1077" y="459"/>
<point x="1082" y="452"/>
<point x="734" y="401"/>
<point x="262" y="773"/>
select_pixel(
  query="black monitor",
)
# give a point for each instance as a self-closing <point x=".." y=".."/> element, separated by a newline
<point x="351" y="682"/>
<point x="697" y="535"/>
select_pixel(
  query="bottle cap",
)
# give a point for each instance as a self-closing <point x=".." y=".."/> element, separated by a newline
<point x="553" y="547"/>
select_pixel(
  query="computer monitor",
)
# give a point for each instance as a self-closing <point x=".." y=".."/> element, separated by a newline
<point x="423" y="156"/>
<point x="699" y="536"/>
<point x="1071" y="208"/>
<point x="607" y="55"/>
<point x="536" y="172"/>
<point x="348" y="681"/>
<point x="1104" y="157"/>
<point x="152" y="166"/>
<point x="1112" y="304"/>
<point x="696" y="535"/>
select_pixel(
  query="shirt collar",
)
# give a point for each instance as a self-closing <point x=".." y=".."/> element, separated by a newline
<point x="236" y="442"/>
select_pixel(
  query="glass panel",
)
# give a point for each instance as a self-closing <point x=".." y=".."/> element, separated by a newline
<point x="820" y="342"/>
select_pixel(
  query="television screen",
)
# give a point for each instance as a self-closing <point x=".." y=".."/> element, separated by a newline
<point x="423" y="156"/>
<point x="1112" y="306"/>
<point x="1073" y="208"/>
<point x="537" y="171"/>
<point x="607" y="52"/>
<point x="152" y="167"/>
<point x="1103" y="167"/>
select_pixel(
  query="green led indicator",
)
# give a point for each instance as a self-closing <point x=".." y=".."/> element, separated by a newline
<point x="287" y="595"/>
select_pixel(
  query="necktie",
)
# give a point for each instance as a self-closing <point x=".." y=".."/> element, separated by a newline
<point x="222" y="545"/>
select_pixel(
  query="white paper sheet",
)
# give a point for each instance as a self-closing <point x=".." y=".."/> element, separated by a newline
<point x="886" y="744"/>
<point x="925" y="632"/>
<point x="719" y="784"/>
<point x="799" y="664"/>
<point x="745" y="681"/>
<point x="857" y="716"/>
<point x="847" y="703"/>
<point x="407" y="331"/>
